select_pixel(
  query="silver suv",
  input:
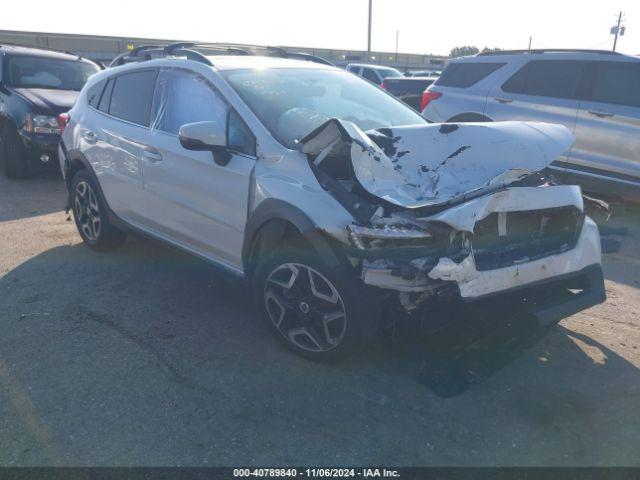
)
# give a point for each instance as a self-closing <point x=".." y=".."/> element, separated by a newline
<point x="593" y="93"/>
<point x="332" y="199"/>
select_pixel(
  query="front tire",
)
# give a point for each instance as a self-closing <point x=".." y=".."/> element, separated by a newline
<point x="318" y="312"/>
<point x="90" y="215"/>
<point x="14" y="154"/>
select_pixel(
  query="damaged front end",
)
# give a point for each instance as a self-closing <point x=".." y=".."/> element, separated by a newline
<point x="454" y="210"/>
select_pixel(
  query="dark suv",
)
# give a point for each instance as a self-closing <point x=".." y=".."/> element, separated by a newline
<point x="36" y="86"/>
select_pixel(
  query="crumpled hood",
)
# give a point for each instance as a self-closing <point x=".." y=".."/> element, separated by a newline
<point x="427" y="165"/>
<point x="56" y="101"/>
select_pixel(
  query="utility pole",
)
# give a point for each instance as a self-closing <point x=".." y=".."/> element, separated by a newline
<point x="530" y="38"/>
<point x="397" y="34"/>
<point x="617" y="30"/>
<point x="369" y="30"/>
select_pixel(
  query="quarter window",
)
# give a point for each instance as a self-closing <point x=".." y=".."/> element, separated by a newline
<point x="183" y="97"/>
<point x="93" y="94"/>
<point x="131" y="96"/>
<point x="546" y="78"/>
<point x="464" y="75"/>
<point x="105" y="99"/>
<point x="617" y="83"/>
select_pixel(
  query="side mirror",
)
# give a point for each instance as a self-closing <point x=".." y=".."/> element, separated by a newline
<point x="211" y="136"/>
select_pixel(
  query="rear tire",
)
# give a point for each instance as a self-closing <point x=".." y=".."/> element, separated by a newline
<point x="14" y="154"/>
<point x="90" y="215"/>
<point x="319" y="312"/>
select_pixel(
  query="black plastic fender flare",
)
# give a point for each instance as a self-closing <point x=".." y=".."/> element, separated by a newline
<point x="273" y="209"/>
<point x="77" y="156"/>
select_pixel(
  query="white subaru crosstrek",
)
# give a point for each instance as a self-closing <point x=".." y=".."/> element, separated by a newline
<point x="334" y="200"/>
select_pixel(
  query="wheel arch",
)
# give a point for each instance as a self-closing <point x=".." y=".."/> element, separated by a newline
<point x="275" y="219"/>
<point x="76" y="161"/>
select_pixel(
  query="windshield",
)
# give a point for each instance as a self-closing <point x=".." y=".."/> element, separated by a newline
<point x="292" y="102"/>
<point x="41" y="72"/>
<point x="389" y="73"/>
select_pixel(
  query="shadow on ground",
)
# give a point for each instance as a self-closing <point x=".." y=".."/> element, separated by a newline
<point x="147" y="356"/>
<point x="48" y="196"/>
<point x="621" y="245"/>
<point x="149" y="276"/>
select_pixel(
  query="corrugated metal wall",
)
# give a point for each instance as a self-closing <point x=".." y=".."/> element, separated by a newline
<point x="106" y="48"/>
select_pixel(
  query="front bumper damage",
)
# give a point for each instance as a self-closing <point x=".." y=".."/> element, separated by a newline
<point x="472" y="282"/>
<point x="550" y="287"/>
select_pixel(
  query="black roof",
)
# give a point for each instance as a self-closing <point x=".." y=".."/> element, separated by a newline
<point x="545" y="50"/>
<point x="38" y="52"/>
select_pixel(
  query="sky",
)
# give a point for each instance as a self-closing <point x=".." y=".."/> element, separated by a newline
<point x="424" y="26"/>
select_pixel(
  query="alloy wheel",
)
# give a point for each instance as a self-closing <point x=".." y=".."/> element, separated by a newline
<point x="305" y="307"/>
<point x="87" y="210"/>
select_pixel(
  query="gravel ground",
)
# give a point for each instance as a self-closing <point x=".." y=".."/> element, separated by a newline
<point x="147" y="356"/>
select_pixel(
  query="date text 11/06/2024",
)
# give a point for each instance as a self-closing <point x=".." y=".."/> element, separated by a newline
<point x="316" y="472"/>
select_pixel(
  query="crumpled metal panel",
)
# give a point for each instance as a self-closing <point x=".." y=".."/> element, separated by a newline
<point x="473" y="283"/>
<point x="427" y="165"/>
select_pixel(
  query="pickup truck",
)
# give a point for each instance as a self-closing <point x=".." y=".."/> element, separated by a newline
<point x="407" y="89"/>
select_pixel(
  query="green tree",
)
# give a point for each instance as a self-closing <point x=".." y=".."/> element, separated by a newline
<point x="463" y="51"/>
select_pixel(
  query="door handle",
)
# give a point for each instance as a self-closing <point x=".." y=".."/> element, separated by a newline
<point x="152" y="155"/>
<point x="600" y="113"/>
<point x="89" y="136"/>
<point x="503" y="99"/>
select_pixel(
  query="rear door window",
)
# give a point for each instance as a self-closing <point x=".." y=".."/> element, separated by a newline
<point x="546" y="78"/>
<point x="617" y="83"/>
<point x="464" y="75"/>
<point x="132" y="94"/>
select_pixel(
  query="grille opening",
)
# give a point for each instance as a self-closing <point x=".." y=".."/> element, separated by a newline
<point x="505" y="239"/>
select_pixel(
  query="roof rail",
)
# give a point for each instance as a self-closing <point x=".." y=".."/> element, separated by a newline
<point x="308" y="57"/>
<point x="196" y="51"/>
<point x="546" y="50"/>
<point x="128" y="55"/>
<point x="266" y="50"/>
<point x="149" y="52"/>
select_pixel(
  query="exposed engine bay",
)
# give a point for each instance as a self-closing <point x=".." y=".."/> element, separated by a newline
<point x="466" y="207"/>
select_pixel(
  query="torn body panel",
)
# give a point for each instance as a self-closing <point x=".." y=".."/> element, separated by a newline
<point x="553" y="251"/>
<point x="427" y="165"/>
<point x="474" y="283"/>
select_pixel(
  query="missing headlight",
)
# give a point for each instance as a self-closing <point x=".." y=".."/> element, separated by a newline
<point x="387" y="236"/>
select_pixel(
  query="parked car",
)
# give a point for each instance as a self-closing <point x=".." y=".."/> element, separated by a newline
<point x="374" y="73"/>
<point x="593" y="93"/>
<point x="328" y="196"/>
<point x="409" y="90"/>
<point x="424" y="73"/>
<point x="35" y="87"/>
